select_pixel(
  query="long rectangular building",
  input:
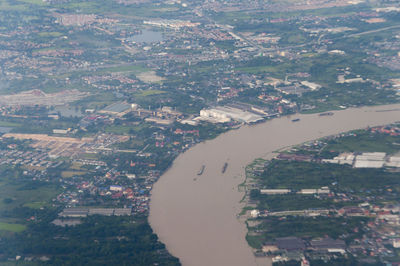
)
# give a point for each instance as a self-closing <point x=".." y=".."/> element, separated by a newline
<point x="275" y="191"/>
<point x="225" y="114"/>
<point x="83" y="212"/>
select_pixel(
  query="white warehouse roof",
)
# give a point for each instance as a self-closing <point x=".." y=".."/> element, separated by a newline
<point x="223" y="112"/>
<point x="368" y="164"/>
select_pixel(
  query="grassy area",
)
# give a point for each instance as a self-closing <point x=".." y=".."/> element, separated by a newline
<point x="254" y="241"/>
<point x="35" y="205"/>
<point x="96" y="101"/>
<point x="34" y="2"/>
<point x="15" y="193"/>
<point x="365" y="142"/>
<point x="79" y="5"/>
<point x="149" y="93"/>
<point x="12" y="227"/>
<point x="50" y="34"/>
<point x="67" y="174"/>
<point x="275" y="227"/>
<point x="118" y="129"/>
<point x="129" y="68"/>
<point x="9" y="124"/>
<point x="88" y="156"/>
<point x="130" y="144"/>
<point x="259" y="69"/>
<point x="5" y="6"/>
<point x="321" y="109"/>
<point x="293" y="202"/>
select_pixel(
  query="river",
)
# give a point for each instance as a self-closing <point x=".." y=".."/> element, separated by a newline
<point x="195" y="216"/>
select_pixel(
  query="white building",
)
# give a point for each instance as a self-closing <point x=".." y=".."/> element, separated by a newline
<point x="224" y="114"/>
<point x="189" y="122"/>
<point x="308" y="191"/>
<point x="115" y="188"/>
<point x="60" y="131"/>
<point x="275" y="191"/>
<point x="370" y="160"/>
<point x="365" y="160"/>
<point x="396" y="243"/>
<point x="313" y="86"/>
<point x="368" y="164"/>
<point x="394" y="161"/>
<point x="255" y="213"/>
<point x="131" y="176"/>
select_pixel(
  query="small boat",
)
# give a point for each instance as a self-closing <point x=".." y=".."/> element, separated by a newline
<point x="224" y="167"/>
<point x="200" y="172"/>
<point x="296" y="120"/>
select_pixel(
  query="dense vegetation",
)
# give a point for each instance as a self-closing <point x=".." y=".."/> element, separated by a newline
<point x="300" y="175"/>
<point x="99" y="240"/>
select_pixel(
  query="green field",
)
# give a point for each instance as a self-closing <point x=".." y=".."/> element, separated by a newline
<point x="16" y="193"/>
<point x="118" y="129"/>
<point x="50" y="34"/>
<point x="9" y="124"/>
<point x="274" y="227"/>
<point x="34" y="2"/>
<point x="149" y="93"/>
<point x="129" y="68"/>
<point x="5" y="6"/>
<point x="12" y="227"/>
<point x="66" y="174"/>
<point x="35" y="205"/>
<point x="96" y="101"/>
<point x="365" y="142"/>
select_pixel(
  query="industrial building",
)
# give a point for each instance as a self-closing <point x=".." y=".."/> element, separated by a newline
<point x="223" y="114"/>
<point x="118" y="109"/>
<point x="310" y="191"/>
<point x="74" y="212"/>
<point x="159" y="121"/>
<point x="83" y="212"/>
<point x="366" y="160"/>
<point x="393" y="161"/>
<point x="313" y="86"/>
<point x="370" y="160"/>
<point x="275" y="191"/>
<point x="101" y="211"/>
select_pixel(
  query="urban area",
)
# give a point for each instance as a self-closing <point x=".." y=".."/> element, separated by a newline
<point x="97" y="98"/>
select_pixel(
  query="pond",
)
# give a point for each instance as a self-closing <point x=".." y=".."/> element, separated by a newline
<point x="147" y="36"/>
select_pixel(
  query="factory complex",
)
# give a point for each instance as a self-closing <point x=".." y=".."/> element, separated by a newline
<point x="366" y="160"/>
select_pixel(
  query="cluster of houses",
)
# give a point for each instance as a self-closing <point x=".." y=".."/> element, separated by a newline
<point x="381" y="237"/>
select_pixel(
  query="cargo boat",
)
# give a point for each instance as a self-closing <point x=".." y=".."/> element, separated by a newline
<point x="224" y="167"/>
<point x="200" y="172"/>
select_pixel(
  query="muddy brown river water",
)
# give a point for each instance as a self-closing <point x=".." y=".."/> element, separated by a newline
<point x="196" y="216"/>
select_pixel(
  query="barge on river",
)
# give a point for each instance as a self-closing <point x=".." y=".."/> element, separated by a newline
<point x="224" y="167"/>
<point x="200" y="172"/>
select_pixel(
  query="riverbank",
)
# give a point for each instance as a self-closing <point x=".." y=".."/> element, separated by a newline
<point x="196" y="219"/>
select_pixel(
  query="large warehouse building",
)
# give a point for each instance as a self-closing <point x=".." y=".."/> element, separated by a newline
<point x="223" y="114"/>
